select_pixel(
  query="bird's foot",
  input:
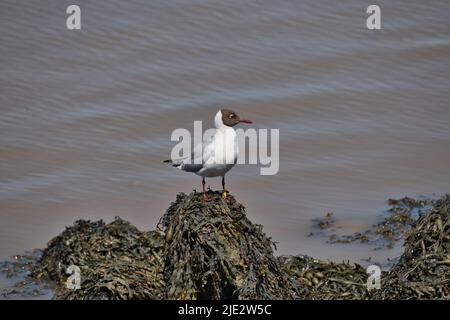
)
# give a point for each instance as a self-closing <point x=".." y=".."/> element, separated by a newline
<point x="224" y="195"/>
<point x="206" y="198"/>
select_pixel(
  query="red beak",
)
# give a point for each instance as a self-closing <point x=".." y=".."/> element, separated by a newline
<point x="245" y="121"/>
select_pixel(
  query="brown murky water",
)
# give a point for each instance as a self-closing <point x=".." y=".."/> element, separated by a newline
<point x="86" y="116"/>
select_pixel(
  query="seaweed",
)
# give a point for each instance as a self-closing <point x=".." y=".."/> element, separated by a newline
<point x="116" y="261"/>
<point x="326" y="280"/>
<point x="386" y="233"/>
<point x="17" y="269"/>
<point x="211" y="250"/>
<point x="214" y="252"/>
<point x="423" y="270"/>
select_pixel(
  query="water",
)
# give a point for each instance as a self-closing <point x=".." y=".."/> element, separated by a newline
<point x="86" y="116"/>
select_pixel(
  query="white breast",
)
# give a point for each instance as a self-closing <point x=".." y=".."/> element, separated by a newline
<point x="221" y="154"/>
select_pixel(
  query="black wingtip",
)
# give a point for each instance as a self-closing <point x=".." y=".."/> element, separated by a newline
<point x="167" y="161"/>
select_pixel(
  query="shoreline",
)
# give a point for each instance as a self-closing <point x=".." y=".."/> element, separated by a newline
<point x="149" y="261"/>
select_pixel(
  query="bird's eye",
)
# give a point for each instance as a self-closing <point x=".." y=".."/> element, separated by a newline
<point x="232" y="115"/>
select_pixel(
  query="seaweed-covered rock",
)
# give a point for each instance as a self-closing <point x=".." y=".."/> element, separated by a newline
<point x="214" y="252"/>
<point x="209" y="251"/>
<point x="324" y="280"/>
<point x="423" y="270"/>
<point x="385" y="234"/>
<point x="116" y="261"/>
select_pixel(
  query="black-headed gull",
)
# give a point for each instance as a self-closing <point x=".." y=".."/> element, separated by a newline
<point x="217" y="155"/>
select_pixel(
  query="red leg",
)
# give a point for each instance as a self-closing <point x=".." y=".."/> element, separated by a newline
<point x="205" y="198"/>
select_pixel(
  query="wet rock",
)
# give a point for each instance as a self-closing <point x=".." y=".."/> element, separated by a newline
<point x="16" y="271"/>
<point x="20" y="263"/>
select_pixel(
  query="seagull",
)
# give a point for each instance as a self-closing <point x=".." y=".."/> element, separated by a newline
<point x="216" y="156"/>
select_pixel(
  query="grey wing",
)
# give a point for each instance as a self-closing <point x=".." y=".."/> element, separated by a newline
<point x="197" y="158"/>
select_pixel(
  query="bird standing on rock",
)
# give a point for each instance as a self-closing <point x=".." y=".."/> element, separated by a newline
<point x="216" y="156"/>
